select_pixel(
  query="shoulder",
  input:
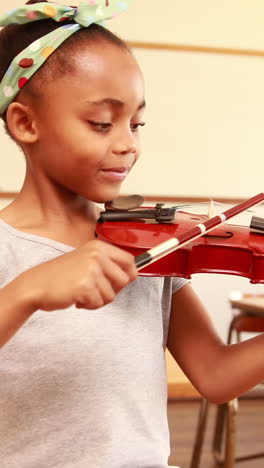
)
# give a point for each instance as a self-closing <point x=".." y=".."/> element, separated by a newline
<point x="6" y="255"/>
<point x="21" y="251"/>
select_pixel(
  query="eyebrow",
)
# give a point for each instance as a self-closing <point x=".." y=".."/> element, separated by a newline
<point x="114" y="103"/>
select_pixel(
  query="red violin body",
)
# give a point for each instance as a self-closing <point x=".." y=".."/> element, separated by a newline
<point x="228" y="249"/>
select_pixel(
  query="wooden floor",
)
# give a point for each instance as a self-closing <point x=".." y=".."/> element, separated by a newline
<point x="182" y="421"/>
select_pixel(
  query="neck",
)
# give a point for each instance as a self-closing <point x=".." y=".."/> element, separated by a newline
<point x="51" y="211"/>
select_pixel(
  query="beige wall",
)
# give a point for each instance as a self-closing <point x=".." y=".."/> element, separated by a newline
<point x="229" y="23"/>
<point x="205" y="115"/>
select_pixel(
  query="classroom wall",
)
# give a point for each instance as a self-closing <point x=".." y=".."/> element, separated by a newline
<point x="205" y="118"/>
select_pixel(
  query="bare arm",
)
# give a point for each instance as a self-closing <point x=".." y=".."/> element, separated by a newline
<point x="16" y="308"/>
<point x="218" y="371"/>
<point x="89" y="277"/>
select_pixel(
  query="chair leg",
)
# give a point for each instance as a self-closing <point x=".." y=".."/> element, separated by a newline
<point x="199" y="436"/>
<point x="219" y="430"/>
<point x="225" y="422"/>
<point x="230" y="434"/>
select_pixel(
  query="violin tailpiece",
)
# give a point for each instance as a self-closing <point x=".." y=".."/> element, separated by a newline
<point x="257" y="224"/>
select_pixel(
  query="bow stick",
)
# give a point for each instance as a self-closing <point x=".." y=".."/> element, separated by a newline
<point x="154" y="254"/>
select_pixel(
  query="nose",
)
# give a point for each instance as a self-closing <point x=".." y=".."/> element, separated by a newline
<point x="125" y="143"/>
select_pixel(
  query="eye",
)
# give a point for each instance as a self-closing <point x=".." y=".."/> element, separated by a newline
<point x="134" y="127"/>
<point x="100" y="126"/>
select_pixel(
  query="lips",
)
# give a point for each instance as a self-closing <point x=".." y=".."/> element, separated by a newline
<point x="115" y="173"/>
<point x="117" y="169"/>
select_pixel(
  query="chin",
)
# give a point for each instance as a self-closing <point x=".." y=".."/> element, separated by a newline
<point x="105" y="195"/>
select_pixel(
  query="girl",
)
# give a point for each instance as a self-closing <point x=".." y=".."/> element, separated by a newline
<point x="83" y="381"/>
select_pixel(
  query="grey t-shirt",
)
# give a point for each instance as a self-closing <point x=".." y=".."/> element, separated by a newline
<point x="84" y="388"/>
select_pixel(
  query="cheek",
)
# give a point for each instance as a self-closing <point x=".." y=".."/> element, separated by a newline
<point x="139" y="148"/>
<point x="72" y="147"/>
<point x="79" y="138"/>
<point x="74" y="140"/>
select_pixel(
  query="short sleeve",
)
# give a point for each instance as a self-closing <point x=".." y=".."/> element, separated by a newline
<point x="178" y="283"/>
<point x="171" y="285"/>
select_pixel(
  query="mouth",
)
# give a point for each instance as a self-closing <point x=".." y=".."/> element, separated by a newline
<point x="116" y="173"/>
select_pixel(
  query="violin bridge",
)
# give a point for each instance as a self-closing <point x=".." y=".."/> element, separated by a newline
<point x="211" y="210"/>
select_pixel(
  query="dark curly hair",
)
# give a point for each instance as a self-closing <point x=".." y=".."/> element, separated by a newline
<point x="16" y="37"/>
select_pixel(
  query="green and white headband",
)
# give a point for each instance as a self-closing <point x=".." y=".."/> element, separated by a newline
<point x="26" y="64"/>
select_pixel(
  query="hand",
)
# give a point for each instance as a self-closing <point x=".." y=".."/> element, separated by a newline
<point x="89" y="277"/>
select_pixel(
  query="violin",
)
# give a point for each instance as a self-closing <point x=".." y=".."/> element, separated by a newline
<point x="196" y="244"/>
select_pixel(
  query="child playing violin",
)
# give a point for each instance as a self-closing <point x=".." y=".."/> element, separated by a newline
<point x="83" y="379"/>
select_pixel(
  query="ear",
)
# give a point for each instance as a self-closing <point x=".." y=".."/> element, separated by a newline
<point x="21" y="123"/>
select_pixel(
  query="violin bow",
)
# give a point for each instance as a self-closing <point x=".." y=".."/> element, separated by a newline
<point x="163" y="249"/>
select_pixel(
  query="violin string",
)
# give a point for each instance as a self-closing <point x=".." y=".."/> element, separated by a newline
<point x="194" y="233"/>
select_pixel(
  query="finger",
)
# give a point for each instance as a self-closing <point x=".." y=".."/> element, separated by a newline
<point x="117" y="277"/>
<point x="102" y="250"/>
<point x="106" y="290"/>
<point x="90" y="299"/>
<point x="125" y="260"/>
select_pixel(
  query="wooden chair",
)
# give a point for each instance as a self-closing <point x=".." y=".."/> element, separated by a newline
<point x="248" y="318"/>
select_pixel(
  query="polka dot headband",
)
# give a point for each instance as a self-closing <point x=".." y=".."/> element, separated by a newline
<point x="26" y="64"/>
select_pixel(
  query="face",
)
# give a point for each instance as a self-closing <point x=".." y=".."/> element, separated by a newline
<point x="89" y="124"/>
